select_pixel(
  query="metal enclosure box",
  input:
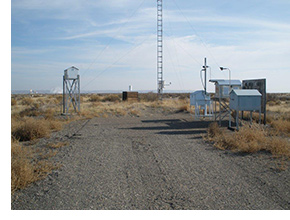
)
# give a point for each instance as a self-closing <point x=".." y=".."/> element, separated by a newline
<point x="223" y="87"/>
<point x="260" y="85"/>
<point x="71" y="72"/>
<point x="202" y="104"/>
<point x="245" y="100"/>
<point x="130" y="96"/>
<point x="199" y="97"/>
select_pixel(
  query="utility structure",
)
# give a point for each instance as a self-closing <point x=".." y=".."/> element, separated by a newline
<point x="201" y="99"/>
<point x="160" y="81"/>
<point x="222" y="95"/>
<point x="204" y="69"/>
<point x="71" y="89"/>
<point x="245" y="100"/>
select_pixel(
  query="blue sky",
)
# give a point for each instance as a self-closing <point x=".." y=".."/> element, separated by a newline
<point x="113" y="42"/>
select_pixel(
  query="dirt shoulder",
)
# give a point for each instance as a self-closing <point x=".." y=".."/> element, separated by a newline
<point x="154" y="162"/>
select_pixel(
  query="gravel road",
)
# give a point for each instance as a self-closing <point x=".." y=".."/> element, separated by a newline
<point x="156" y="162"/>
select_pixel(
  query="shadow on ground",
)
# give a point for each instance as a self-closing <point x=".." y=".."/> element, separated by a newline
<point x="177" y="127"/>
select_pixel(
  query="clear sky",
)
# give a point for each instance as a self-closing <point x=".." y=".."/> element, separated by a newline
<point x="113" y="42"/>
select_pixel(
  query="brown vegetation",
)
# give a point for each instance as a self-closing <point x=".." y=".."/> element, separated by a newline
<point x="249" y="139"/>
<point x="27" y="166"/>
<point x="273" y="138"/>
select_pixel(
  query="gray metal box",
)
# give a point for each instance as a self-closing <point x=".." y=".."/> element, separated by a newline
<point x="199" y="97"/>
<point x="260" y="85"/>
<point x="245" y="100"/>
<point x="223" y="87"/>
<point x="71" y="72"/>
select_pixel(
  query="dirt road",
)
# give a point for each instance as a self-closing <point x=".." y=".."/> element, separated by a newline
<point x="157" y="162"/>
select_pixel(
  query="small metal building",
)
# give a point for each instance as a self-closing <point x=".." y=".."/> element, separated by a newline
<point x="130" y="96"/>
<point x="202" y="102"/>
<point x="71" y="89"/>
<point x="222" y="87"/>
<point x="222" y="90"/>
<point x="245" y="100"/>
<point x="71" y="72"/>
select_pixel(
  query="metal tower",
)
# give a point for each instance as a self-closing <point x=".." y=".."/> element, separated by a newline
<point x="160" y="81"/>
<point x="71" y="89"/>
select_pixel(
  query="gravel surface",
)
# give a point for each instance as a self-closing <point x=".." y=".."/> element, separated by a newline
<point x="156" y="162"/>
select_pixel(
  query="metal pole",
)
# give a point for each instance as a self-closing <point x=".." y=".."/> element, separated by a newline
<point x="237" y="119"/>
<point x="230" y="120"/>
<point x="265" y="102"/>
<point x="230" y="78"/>
<point x="205" y="75"/>
<point x="159" y="50"/>
<point x="63" y="95"/>
<point x="79" y="95"/>
<point x="260" y="115"/>
<point x="220" y="106"/>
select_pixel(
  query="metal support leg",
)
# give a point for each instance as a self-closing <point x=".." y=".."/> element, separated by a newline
<point x="237" y="119"/>
<point x="230" y="119"/>
<point x="220" y="111"/>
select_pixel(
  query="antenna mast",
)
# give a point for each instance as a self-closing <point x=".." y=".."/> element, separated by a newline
<point x="160" y="81"/>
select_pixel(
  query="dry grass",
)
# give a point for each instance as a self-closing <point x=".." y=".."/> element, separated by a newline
<point x="22" y="170"/>
<point x="273" y="138"/>
<point x="13" y="102"/>
<point x="111" y="98"/>
<point x="27" y="166"/>
<point x="281" y="126"/>
<point x="248" y="139"/>
<point x="29" y="129"/>
<point x="110" y="105"/>
<point x="95" y="98"/>
<point x="27" y="101"/>
<point x="135" y="112"/>
<point x="148" y="97"/>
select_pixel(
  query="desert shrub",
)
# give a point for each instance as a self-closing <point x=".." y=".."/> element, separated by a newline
<point x="22" y="170"/>
<point x="213" y="130"/>
<point x="59" y="98"/>
<point x="255" y="117"/>
<point x="13" y="102"/>
<point x="30" y="129"/>
<point x="28" y="165"/>
<point x="279" y="146"/>
<point x="48" y="113"/>
<point x="111" y="98"/>
<point x="183" y="108"/>
<point x="271" y="97"/>
<point x="54" y="125"/>
<point x="95" y="98"/>
<point x="30" y="112"/>
<point x="148" y="97"/>
<point x="27" y="101"/>
<point x="135" y="112"/>
<point x="281" y="126"/>
<point x="273" y="102"/>
<point x="183" y="96"/>
<point x="120" y="112"/>
<point x="249" y="140"/>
